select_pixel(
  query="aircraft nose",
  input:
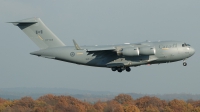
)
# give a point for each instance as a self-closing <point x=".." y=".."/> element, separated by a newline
<point x="192" y="51"/>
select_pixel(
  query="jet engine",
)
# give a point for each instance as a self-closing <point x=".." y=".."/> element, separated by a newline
<point x="130" y="51"/>
<point x="147" y="50"/>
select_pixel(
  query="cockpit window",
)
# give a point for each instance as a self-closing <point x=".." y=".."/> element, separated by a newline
<point x="188" y="44"/>
<point x="184" y="45"/>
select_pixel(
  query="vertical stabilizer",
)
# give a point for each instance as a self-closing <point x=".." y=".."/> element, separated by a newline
<point x="39" y="33"/>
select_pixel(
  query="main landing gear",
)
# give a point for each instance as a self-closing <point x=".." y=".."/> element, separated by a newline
<point x="120" y="69"/>
<point x="128" y="69"/>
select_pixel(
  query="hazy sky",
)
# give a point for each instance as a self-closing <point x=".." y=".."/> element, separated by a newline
<point x="100" y="22"/>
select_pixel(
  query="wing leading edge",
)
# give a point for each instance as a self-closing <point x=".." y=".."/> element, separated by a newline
<point x="101" y="49"/>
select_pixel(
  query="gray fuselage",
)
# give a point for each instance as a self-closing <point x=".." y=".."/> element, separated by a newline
<point x="165" y="51"/>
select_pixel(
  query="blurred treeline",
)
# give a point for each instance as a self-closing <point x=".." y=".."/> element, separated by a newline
<point x="121" y="103"/>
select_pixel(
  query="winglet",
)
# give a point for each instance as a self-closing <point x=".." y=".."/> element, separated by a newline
<point x="76" y="45"/>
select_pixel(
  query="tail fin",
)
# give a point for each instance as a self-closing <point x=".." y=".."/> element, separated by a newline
<point x="39" y="33"/>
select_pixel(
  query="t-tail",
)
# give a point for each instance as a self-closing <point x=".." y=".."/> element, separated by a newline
<point x="39" y="33"/>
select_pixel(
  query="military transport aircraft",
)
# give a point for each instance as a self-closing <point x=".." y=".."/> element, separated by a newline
<point x="117" y="57"/>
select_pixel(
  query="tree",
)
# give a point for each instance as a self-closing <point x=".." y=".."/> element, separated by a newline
<point x="124" y="99"/>
<point x="196" y="109"/>
<point x="150" y="102"/>
<point x="99" y="106"/>
<point x="131" y="108"/>
<point x="113" y="106"/>
<point x="180" y="106"/>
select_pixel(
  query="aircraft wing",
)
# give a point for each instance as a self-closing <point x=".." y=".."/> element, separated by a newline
<point x="118" y="63"/>
<point x="96" y="48"/>
<point x="101" y="49"/>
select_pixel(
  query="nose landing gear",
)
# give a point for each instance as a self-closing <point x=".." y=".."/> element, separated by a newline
<point x="184" y="64"/>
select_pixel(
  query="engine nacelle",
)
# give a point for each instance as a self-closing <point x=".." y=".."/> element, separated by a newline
<point x="147" y="51"/>
<point x="130" y="51"/>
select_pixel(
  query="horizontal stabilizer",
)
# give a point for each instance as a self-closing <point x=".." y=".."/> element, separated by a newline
<point x="21" y="23"/>
<point x="50" y="57"/>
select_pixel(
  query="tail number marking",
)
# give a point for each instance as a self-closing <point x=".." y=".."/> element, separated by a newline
<point x="40" y="31"/>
